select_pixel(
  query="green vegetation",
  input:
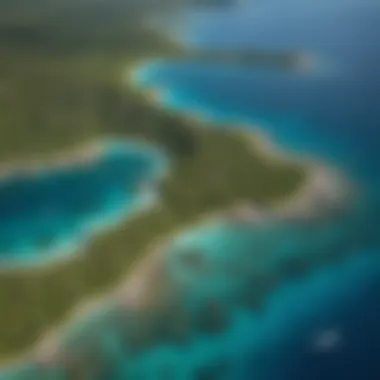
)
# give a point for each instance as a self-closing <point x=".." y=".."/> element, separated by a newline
<point x="60" y="84"/>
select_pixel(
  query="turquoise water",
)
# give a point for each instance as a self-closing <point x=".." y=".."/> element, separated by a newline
<point x="330" y="113"/>
<point x="54" y="211"/>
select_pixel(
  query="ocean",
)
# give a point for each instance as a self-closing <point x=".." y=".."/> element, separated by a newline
<point x="324" y="325"/>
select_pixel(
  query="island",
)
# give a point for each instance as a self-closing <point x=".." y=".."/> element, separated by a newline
<point x="62" y="71"/>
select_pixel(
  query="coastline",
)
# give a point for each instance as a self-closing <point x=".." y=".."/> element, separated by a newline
<point x="133" y="292"/>
<point x="324" y="181"/>
<point x="86" y="153"/>
<point x="154" y="96"/>
<point x="135" y="288"/>
<point x="124" y="295"/>
<point x="291" y="237"/>
<point x="47" y="350"/>
<point x="326" y="188"/>
<point x="83" y="155"/>
<point x="140" y="272"/>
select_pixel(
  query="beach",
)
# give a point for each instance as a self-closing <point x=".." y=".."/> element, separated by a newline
<point x="83" y="154"/>
<point x="136" y="289"/>
<point x="326" y="188"/>
<point x="139" y="289"/>
<point x="289" y="263"/>
<point x="86" y="155"/>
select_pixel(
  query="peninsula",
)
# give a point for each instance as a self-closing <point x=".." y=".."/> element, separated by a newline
<point x="61" y="85"/>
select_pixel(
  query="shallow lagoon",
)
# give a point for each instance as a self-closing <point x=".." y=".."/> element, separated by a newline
<point x="274" y="338"/>
<point x="333" y="114"/>
<point x="53" y="211"/>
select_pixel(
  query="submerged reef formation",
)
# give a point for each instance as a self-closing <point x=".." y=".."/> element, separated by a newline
<point x="67" y="88"/>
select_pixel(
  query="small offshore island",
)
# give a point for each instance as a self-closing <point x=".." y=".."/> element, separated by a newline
<point x="61" y="84"/>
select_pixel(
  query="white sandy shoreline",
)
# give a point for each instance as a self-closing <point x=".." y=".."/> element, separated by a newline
<point x="134" y="289"/>
<point x="84" y="153"/>
<point x="326" y="188"/>
<point x="323" y="182"/>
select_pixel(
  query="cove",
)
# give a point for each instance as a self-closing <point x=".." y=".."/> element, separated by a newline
<point x="330" y="113"/>
<point x="277" y="342"/>
<point x="272" y="341"/>
<point x="53" y="211"/>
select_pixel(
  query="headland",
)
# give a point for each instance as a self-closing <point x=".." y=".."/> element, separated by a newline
<point x="69" y="89"/>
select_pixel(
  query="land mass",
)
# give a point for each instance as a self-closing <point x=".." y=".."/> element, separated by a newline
<point x="61" y="84"/>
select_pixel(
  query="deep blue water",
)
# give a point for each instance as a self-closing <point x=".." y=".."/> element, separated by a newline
<point x="331" y="113"/>
<point x="55" y="211"/>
